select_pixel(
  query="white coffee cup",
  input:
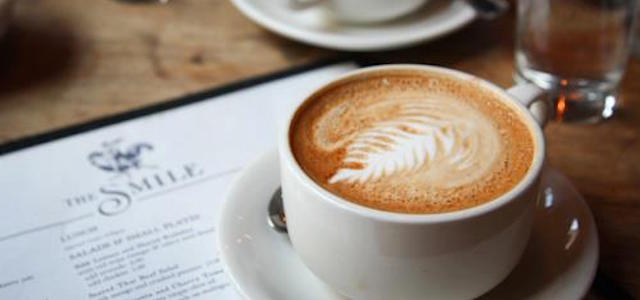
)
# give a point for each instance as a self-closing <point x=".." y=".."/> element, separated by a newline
<point x="365" y="253"/>
<point x="362" y="11"/>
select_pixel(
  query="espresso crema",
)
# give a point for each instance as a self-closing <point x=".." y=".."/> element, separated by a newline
<point x="411" y="142"/>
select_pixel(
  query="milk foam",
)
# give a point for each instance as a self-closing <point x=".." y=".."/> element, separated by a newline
<point x="427" y="135"/>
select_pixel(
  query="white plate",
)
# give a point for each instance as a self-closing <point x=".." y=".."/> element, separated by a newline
<point x="559" y="262"/>
<point x="312" y="26"/>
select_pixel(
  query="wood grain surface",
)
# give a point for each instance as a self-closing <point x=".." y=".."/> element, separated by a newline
<point x="68" y="61"/>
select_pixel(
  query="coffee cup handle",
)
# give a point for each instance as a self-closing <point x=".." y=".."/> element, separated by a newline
<point x="302" y="4"/>
<point x="529" y="95"/>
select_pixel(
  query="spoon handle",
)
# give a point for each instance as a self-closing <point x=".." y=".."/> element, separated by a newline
<point x="276" y="217"/>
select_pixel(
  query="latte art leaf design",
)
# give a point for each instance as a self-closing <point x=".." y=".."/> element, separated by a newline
<point x="423" y="132"/>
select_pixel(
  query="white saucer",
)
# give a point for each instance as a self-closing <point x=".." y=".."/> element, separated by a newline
<point x="313" y="26"/>
<point x="559" y="262"/>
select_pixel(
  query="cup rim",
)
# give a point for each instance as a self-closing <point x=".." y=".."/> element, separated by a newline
<point x="399" y="217"/>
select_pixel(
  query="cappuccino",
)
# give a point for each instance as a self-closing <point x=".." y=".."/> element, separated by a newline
<point x="411" y="141"/>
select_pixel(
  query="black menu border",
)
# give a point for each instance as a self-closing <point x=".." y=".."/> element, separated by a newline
<point x="41" y="138"/>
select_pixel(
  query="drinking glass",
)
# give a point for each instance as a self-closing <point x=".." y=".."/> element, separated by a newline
<point x="577" y="51"/>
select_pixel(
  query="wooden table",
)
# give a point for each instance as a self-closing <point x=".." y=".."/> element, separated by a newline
<point x="69" y="61"/>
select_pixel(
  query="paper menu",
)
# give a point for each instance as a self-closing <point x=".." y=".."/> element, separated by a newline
<point x="128" y="211"/>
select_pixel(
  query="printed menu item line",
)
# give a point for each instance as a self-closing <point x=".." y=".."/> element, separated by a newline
<point x="45" y="227"/>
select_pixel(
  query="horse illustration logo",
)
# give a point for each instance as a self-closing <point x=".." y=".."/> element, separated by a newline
<point x="117" y="160"/>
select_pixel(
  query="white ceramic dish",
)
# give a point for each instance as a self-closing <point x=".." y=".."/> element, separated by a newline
<point x="559" y="262"/>
<point x="312" y="26"/>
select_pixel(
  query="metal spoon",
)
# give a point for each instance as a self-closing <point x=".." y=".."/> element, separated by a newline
<point x="489" y="9"/>
<point x="276" y="219"/>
